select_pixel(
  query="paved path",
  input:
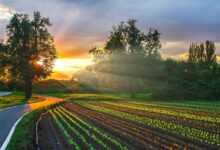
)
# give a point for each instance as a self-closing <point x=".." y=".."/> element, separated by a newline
<point x="5" y="93"/>
<point x="9" y="116"/>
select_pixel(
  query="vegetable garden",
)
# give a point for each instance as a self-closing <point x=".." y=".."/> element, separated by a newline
<point x="124" y="125"/>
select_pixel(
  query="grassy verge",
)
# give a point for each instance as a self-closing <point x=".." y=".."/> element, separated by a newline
<point x="139" y="97"/>
<point x="17" y="98"/>
<point x="144" y="98"/>
<point x="23" y="137"/>
<point x="101" y="96"/>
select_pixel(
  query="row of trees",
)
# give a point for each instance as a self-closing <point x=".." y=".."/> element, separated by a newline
<point x="202" y="53"/>
<point x="197" y="77"/>
<point x="127" y="38"/>
<point x="29" y="51"/>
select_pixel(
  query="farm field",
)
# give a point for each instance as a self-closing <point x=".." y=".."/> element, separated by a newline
<point x="126" y="124"/>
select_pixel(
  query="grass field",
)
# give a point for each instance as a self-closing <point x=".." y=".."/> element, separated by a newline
<point x="108" y="121"/>
<point x="17" y="98"/>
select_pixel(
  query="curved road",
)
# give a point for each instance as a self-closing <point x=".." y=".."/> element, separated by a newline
<point x="9" y="116"/>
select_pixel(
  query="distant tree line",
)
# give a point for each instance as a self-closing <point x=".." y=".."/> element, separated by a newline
<point x="197" y="77"/>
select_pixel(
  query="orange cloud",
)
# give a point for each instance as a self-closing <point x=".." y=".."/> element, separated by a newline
<point x="69" y="46"/>
<point x="60" y="76"/>
<point x="72" y="53"/>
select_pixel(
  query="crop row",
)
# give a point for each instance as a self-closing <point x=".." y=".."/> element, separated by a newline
<point x="103" y="135"/>
<point x="179" y="109"/>
<point x="193" y="107"/>
<point x="64" y="131"/>
<point x="75" y="132"/>
<point x="133" y="132"/>
<point x="205" y="126"/>
<point x="171" y="112"/>
<point x="87" y="136"/>
<point x="188" y="132"/>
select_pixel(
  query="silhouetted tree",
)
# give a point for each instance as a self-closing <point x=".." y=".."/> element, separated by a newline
<point x="133" y="37"/>
<point x="30" y="49"/>
<point x="152" y="43"/>
<point x="210" y="56"/>
<point x="127" y="38"/>
<point x="202" y="53"/>
<point x="116" y="40"/>
<point x="98" y="54"/>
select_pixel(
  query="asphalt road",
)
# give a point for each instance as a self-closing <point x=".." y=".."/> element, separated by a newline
<point x="4" y="93"/>
<point x="9" y="116"/>
<point x="7" y="119"/>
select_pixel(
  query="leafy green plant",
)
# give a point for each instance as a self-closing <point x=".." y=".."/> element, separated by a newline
<point x="96" y="130"/>
<point x="191" y="133"/>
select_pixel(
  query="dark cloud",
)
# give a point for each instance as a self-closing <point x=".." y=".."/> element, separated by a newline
<point x="85" y="22"/>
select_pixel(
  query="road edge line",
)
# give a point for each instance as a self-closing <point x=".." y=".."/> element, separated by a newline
<point x="8" y="139"/>
<point x="10" y="107"/>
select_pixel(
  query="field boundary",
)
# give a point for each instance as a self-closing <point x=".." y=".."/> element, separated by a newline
<point x="8" y="139"/>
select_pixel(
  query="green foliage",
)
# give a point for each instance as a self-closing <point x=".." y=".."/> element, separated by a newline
<point x="64" y="131"/>
<point x="116" y="41"/>
<point x="196" y="78"/>
<point x="126" y="38"/>
<point x="191" y="80"/>
<point x="202" y="53"/>
<point x="30" y="50"/>
<point x="168" y="126"/>
<point x="71" y="124"/>
<point x="103" y="134"/>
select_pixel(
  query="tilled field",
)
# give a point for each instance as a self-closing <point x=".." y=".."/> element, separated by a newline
<point x="129" y="125"/>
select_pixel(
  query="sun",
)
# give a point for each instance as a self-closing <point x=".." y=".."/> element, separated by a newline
<point x="68" y="66"/>
<point x="40" y="62"/>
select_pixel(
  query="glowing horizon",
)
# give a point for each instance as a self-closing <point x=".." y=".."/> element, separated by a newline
<point x="64" y="68"/>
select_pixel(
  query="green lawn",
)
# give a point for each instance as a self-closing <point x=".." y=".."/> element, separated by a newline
<point x="16" y="98"/>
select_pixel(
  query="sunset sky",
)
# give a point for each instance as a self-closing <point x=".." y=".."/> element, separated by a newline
<point x="78" y="25"/>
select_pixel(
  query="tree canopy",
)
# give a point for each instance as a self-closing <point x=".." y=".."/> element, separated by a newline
<point x="137" y="53"/>
<point x="202" y="53"/>
<point x="127" y="38"/>
<point x="29" y="50"/>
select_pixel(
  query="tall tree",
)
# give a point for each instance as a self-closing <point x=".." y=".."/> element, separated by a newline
<point x="210" y="56"/>
<point x="116" y="41"/>
<point x="134" y="37"/>
<point x="202" y="53"/>
<point x="152" y="43"/>
<point x="128" y="38"/>
<point x="3" y="60"/>
<point x="30" y="49"/>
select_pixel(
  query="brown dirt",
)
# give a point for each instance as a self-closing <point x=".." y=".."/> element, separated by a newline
<point x="50" y="137"/>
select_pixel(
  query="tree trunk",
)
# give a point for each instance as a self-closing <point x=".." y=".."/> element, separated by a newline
<point x="28" y="89"/>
